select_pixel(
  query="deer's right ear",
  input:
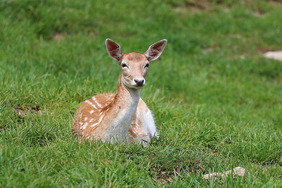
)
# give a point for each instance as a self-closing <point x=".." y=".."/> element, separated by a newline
<point x="114" y="50"/>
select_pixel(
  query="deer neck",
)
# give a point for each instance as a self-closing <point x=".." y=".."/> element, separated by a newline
<point x="122" y="112"/>
<point x="127" y="96"/>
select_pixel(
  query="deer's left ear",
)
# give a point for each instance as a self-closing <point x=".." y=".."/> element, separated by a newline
<point x="155" y="50"/>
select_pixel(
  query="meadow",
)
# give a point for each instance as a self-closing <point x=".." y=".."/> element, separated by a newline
<point x="216" y="100"/>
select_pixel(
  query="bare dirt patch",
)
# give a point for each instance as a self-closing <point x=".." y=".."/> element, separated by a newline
<point x="276" y="3"/>
<point x="165" y="179"/>
<point x="23" y="111"/>
<point x="192" y="6"/>
<point x="93" y="34"/>
<point x="258" y="14"/>
<point x="2" y="127"/>
<point x="58" y="37"/>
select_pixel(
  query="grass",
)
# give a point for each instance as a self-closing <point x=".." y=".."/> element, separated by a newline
<point x="216" y="101"/>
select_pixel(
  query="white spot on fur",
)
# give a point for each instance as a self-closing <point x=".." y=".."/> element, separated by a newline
<point x="99" y="121"/>
<point x="93" y="105"/>
<point x="85" y="118"/>
<point x="91" y="120"/>
<point x="94" y="98"/>
<point x="91" y="112"/>
<point x="84" y="126"/>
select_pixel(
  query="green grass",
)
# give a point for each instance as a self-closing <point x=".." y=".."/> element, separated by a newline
<point x="216" y="101"/>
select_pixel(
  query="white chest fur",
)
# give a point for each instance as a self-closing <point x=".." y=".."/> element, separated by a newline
<point x="118" y="131"/>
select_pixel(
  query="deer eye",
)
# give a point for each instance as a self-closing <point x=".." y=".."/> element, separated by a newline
<point x="146" y="66"/>
<point x="124" y="65"/>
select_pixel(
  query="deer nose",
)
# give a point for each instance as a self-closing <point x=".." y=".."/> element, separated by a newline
<point x="139" y="82"/>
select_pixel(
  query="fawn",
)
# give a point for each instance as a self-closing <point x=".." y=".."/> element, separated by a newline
<point x="123" y="116"/>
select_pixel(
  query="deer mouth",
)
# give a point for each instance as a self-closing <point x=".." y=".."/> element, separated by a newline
<point x="135" y="86"/>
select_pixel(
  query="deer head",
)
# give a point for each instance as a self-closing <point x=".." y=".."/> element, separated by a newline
<point x="134" y="66"/>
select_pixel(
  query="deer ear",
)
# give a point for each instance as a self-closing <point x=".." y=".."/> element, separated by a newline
<point x="114" y="50"/>
<point x="155" y="50"/>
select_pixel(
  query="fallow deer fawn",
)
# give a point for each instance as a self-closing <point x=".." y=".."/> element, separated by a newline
<point x="116" y="117"/>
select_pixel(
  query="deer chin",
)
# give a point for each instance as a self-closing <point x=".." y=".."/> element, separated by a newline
<point x="136" y="86"/>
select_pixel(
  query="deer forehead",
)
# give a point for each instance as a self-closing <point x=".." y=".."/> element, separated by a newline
<point x="134" y="57"/>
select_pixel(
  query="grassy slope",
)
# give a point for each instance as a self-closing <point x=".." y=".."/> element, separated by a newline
<point x="216" y="100"/>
